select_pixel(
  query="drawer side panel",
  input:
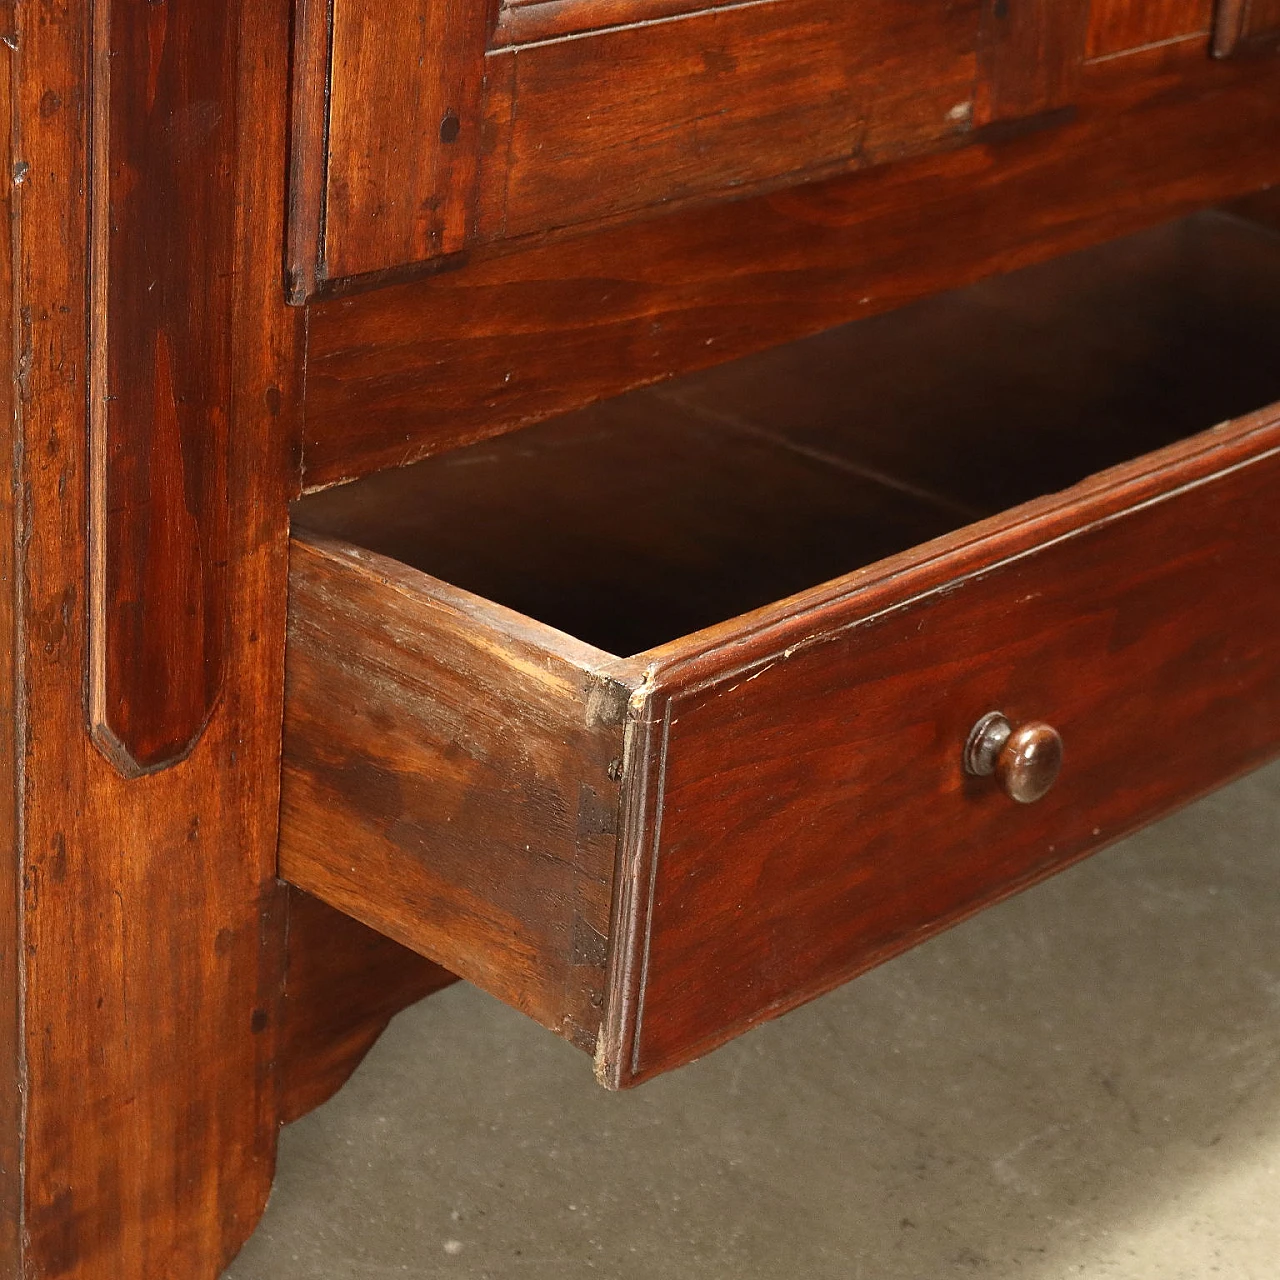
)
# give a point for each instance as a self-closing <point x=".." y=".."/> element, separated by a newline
<point x="447" y="781"/>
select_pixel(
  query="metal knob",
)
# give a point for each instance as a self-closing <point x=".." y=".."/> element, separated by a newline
<point x="1025" y="760"/>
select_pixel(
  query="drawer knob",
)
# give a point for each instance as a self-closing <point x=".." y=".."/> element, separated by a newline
<point x="1025" y="760"/>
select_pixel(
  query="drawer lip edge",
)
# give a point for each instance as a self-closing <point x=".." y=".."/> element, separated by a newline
<point x="398" y="576"/>
<point x="697" y="659"/>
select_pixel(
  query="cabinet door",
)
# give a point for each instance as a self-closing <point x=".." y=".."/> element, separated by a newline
<point x="423" y="127"/>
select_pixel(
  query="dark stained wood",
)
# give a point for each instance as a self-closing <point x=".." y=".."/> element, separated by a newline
<point x="721" y="100"/>
<point x="400" y="182"/>
<point x="1118" y="26"/>
<point x="1127" y="621"/>
<point x="750" y="481"/>
<point x="449" y="779"/>
<point x="1032" y="55"/>
<point x="1128" y="612"/>
<point x="165" y="159"/>
<point x="421" y="367"/>
<point x="147" y="1048"/>
<point x="415" y="144"/>
<point x="343" y="985"/>
<point x="1246" y="25"/>
<point x="151" y="954"/>
<point x="794" y="805"/>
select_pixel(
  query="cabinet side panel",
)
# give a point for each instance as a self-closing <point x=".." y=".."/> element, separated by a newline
<point x="163" y="236"/>
<point x="152" y="948"/>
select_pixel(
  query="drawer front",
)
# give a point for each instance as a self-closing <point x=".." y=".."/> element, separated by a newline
<point x="802" y="811"/>
<point x="421" y="128"/>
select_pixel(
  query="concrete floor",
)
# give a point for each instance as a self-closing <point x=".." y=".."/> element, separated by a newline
<point x="1084" y="1081"/>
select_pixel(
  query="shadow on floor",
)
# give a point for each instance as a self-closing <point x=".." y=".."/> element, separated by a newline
<point x="1084" y="1081"/>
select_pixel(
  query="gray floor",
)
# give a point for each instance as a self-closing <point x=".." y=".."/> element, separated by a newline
<point x="1084" y="1081"/>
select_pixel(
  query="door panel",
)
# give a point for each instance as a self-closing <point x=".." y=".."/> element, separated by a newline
<point x="424" y="127"/>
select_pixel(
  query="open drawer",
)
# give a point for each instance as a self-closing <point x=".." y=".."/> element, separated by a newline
<point x="567" y="713"/>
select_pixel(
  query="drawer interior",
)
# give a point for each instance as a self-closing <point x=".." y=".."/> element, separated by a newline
<point x="673" y="508"/>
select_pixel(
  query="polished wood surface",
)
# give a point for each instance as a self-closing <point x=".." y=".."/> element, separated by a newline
<point x="496" y="865"/>
<point x="419" y="368"/>
<point x="717" y="102"/>
<point x="12" y="1032"/>
<point x="164" y="1000"/>
<point x="164" y="149"/>
<point x="528" y="21"/>
<point x="1127" y="622"/>
<point x="418" y="142"/>
<point x="1122" y="606"/>
<point x="387" y="137"/>
<point x="146" y="945"/>
<point x="1031" y="58"/>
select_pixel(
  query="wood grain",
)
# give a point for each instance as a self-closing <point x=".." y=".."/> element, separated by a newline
<point x="698" y="101"/>
<point x="308" y="147"/>
<point x="417" y="368"/>
<point x="526" y="21"/>
<point x="1032" y="52"/>
<point x="1140" y="623"/>
<point x="720" y="101"/>
<point x="447" y="779"/>
<point x="747" y="482"/>
<point x="400" y="182"/>
<point x="343" y="984"/>
<point x="1128" y="612"/>
<point x="165" y="156"/>
<point x="151" y="945"/>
